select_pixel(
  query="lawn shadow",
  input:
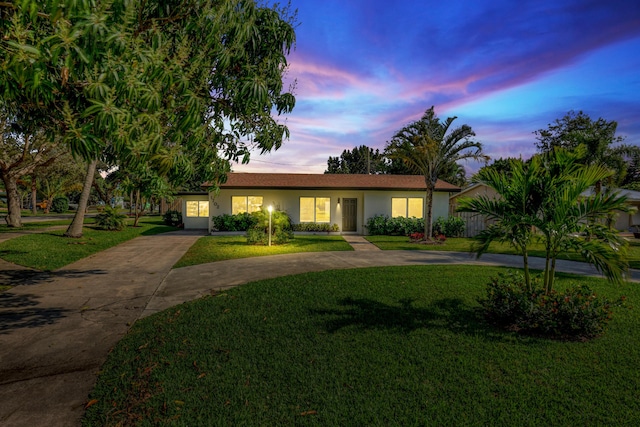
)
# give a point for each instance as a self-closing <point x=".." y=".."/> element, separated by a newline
<point x="28" y="277"/>
<point x="21" y="311"/>
<point x="452" y="314"/>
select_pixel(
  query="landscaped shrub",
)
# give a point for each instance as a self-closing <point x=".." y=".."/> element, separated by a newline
<point x="111" y="219"/>
<point x="398" y="226"/>
<point x="316" y="227"/>
<point x="281" y="229"/>
<point x="575" y="313"/>
<point x="173" y="218"/>
<point x="377" y="225"/>
<point x="239" y="222"/>
<point x="452" y="226"/>
<point x="60" y="204"/>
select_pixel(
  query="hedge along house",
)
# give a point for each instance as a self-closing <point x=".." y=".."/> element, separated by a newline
<point x="345" y="200"/>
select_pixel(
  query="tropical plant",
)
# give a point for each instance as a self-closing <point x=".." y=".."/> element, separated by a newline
<point x="430" y="146"/>
<point x="544" y="199"/>
<point x="278" y="221"/>
<point x="111" y="219"/>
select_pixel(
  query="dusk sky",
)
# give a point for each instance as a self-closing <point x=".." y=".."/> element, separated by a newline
<point x="366" y="68"/>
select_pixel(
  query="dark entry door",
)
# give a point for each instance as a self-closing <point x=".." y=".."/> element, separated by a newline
<point x="350" y="215"/>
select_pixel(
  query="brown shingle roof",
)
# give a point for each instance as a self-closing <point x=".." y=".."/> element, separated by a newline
<point x="332" y="181"/>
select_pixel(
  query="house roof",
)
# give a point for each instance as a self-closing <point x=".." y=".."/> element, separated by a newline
<point x="331" y="181"/>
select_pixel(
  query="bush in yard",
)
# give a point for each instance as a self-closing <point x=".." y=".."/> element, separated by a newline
<point x="575" y="313"/>
<point x="316" y="227"/>
<point x="281" y="228"/>
<point x="173" y="218"/>
<point x="377" y="225"/>
<point x="111" y="219"/>
<point x="238" y="222"/>
<point x="398" y="226"/>
<point x="60" y="204"/>
<point x="452" y="226"/>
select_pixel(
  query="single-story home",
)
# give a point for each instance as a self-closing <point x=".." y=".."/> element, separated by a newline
<point x="342" y="199"/>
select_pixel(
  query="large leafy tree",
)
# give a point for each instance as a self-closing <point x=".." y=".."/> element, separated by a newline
<point x="360" y="160"/>
<point x="149" y="82"/>
<point x="24" y="150"/>
<point x="543" y="199"/>
<point x="603" y="146"/>
<point x="429" y="147"/>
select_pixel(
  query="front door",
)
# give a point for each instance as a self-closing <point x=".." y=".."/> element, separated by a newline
<point x="349" y="214"/>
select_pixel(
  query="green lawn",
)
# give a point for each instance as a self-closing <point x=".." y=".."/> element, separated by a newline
<point x="29" y="226"/>
<point x="50" y="250"/>
<point x="366" y="347"/>
<point x="218" y="248"/>
<point x="464" y="245"/>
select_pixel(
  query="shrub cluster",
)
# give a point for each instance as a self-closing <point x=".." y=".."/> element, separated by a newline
<point x="316" y="227"/>
<point x="281" y="229"/>
<point x="452" y="226"/>
<point x="173" y="218"/>
<point x="111" y="219"/>
<point x="239" y="222"/>
<point x="60" y="204"/>
<point x="398" y="226"/>
<point x="576" y="313"/>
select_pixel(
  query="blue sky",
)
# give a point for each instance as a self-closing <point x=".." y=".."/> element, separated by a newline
<point x="365" y="68"/>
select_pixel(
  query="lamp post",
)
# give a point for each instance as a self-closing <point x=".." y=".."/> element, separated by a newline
<point x="270" y="208"/>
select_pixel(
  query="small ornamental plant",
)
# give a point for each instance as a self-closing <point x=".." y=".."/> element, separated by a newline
<point x="111" y="219"/>
<point x="576" y="313"/>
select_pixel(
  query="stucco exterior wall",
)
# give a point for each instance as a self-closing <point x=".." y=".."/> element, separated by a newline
<point x="370" y="203"/>
<point x="195" y="222"/>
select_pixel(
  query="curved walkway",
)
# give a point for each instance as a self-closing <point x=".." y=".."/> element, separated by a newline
<point x="56" y="329"/>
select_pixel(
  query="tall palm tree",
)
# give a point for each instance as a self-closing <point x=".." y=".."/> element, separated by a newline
<point x="429" y="146"/>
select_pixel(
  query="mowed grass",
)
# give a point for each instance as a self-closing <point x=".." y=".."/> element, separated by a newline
<point x="462" y="244"/>
<point x="367" y="347"/>
<point x="219" y="248"/>
<point x="50" y="250"/>
<point x="34" y="226"/>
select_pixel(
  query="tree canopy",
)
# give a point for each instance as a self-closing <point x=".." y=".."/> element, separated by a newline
<point x="178" y="86"/>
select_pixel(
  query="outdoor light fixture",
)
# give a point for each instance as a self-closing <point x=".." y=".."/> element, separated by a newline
<point x="338" y="200"/>
<point x="270" y="209"/>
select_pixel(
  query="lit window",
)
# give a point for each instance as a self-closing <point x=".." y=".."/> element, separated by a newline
<point x="407" y="207"/>
<point x="240" y="204"/>
<point x="315" y="209"/>
<point x="197" y="208"/>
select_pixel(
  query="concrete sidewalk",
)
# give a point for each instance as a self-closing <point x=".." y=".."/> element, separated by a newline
<point x="56" y="330"/>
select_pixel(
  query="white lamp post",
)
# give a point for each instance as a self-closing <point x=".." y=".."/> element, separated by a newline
<point x="270" y="208"/>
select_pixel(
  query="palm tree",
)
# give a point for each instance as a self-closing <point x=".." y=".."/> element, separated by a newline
<point x="544" y="199"/>
<point x="513" y="212"/>
<point x="429" y="147"/>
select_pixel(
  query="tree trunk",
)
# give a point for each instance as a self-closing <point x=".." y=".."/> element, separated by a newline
<point x="428" y="202"/>
<point x="34" y="195"/>
<point x="75" y="228"/>
<point x="14" y="202"/>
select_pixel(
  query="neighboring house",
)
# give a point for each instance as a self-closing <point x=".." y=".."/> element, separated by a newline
<point x="476" y="223"/>
<point x="342" y="199"/>
<point x="624" y="220"/>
